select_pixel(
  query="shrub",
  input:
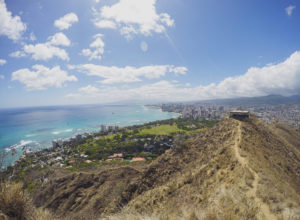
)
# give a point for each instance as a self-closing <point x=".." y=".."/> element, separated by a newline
<point x="13" y="202"/>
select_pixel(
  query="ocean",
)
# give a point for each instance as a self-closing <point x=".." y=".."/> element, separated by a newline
<point x="36" y="127"/>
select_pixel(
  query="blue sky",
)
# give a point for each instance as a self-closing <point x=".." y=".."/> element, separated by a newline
<point x="79" y="52"/>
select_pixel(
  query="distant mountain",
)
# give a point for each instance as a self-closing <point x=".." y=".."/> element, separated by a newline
<point x="255" y="101"/>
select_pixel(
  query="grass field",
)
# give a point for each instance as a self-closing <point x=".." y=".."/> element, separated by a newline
<point x="161" y="130"/>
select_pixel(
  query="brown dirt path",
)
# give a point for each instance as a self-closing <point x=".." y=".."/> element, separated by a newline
<point x="265" y="212"/>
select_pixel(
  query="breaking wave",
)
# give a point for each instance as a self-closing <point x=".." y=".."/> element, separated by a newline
<point x="62" y="131"/>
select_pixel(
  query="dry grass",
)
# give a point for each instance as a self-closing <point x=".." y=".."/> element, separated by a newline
<point x="229" y="206"/>
<point x="13" y="201"/>
<point x="272" y="152"/>
<point x="15" y="204"/>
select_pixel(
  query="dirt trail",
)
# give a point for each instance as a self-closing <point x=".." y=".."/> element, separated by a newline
<point x="264" y="208"/>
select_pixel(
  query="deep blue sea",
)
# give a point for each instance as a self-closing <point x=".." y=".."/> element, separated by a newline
<point x="36" y="127"/>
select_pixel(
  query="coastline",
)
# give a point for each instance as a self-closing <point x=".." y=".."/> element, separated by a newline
<point x="16" y="151"/>
<point x="57" y="154"/>
<point x="160" y="108"/>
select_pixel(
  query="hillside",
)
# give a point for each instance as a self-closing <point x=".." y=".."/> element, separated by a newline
<point x="235" y="170"/>
<point x="86" y="194"/>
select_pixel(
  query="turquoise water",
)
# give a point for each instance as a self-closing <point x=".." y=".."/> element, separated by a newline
<point x="36" y="127"/>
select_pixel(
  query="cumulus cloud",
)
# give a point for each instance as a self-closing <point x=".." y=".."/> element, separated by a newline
<point x="105" y="24"/>
<point x="96" y="49"/>
<point x="17" y="54"/>
<point x="128" y="74"/>
<point x="2" y="62"/>
<point x="59" y="39"/>
<point x="281" y="78"/>
<point x="181" y="70"/>
<point x="289" y="10"/>
<point x="66" y="21"/>
<point x="98" y="42"/>
<point x="159" y="91"/>
<point x="133" y="17"/>
<point x="47" y="50"/>
<point x="2" y="77"/>
<point x="10" y="26"/>
<point x="41" y="77"/>
<point x="89" y="90"/>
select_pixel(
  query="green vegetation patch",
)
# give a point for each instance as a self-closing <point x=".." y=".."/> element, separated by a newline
<point x="163" y="130"/>
<point x="195" y="124"/>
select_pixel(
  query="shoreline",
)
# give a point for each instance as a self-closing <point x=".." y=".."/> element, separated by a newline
<point x="60" y="150"/>
<point x="23" y="147"/>
<point x="160" y="108"/>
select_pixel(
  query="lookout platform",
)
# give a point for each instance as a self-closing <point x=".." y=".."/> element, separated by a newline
<point x="239" y="115"/>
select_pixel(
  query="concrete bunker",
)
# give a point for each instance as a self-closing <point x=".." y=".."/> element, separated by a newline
<point x="239" y="115"/>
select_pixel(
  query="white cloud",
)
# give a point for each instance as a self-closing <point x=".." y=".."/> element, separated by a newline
<point x="181" y="70"/>
<point x="66" y="21"/>
<point x="59" y="39"/>
<point x="2" y="77"/>
<point x="41" y="77"/>
<point x="289" y="10"/>
<point x="10" y="26"/>
<point x="17" y="54"/>
<point x="46" y="51"/>
<point x="89" y="90"/>
<point x="98" y="42"/>
<point x="144" y="46"/>
<point x="127" y="74"/>
<point x="133" y="17"/>
<point x="2" y="62"/>
<point x="105" y="24"/>
<point x="282" y="78"/>
<point x="97" y="48"/>
<point x="162" y="90"/>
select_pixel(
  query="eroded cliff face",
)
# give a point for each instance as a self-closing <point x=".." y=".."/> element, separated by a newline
<point x="236" y="170"/>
